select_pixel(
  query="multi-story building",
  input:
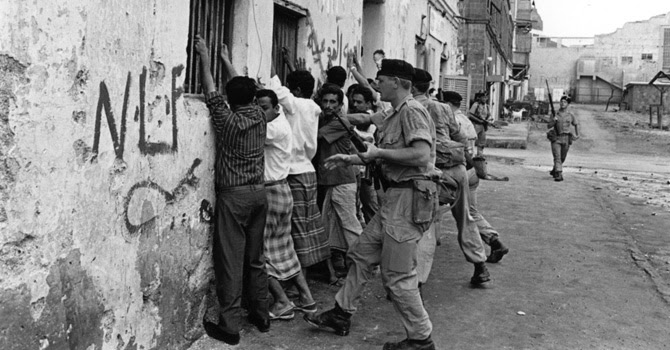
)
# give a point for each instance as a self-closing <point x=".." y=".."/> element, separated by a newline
<point x="486" y="36"/>
<point x="598" y="69"/>
<point x="423" y="33"/>
<point x="526" y="19"/>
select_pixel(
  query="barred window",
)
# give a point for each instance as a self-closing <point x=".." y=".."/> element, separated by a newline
<point x="647" y="57"/>
<point x="626" y="59"/>
<point x="211" y="20"/>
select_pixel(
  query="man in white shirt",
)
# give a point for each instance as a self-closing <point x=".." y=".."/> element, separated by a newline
<point x="309" y="238"/>
<point x="282" y="262"/>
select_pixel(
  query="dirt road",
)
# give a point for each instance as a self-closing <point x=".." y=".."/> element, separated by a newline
<point x="588" y="267"/>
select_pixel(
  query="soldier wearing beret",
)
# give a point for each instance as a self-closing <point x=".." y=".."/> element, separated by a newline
<point x="451" y="160"/>
<point x="406" y="155"/>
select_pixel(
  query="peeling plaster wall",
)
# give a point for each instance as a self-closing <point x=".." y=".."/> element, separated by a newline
<point x="331" y="31"/>
<point x="106" y="178"/>
<point x="106" y="168"/>
<point x="394" y="25"/>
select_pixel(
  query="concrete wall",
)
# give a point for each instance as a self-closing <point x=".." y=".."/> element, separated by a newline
<point x="604" y="57"/>
<point x="632" y="40"/>
<point x="556" y="65"/>
<point x="394" y="26"/>
<point x="329" y="34"/>
<point x="106" y="168"/>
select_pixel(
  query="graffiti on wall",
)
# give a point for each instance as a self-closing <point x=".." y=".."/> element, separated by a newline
<point x="146" y="198"/>
<point x="332" y="6"/>
<point x="324" y="55"/>
<point x="118" y="134"/>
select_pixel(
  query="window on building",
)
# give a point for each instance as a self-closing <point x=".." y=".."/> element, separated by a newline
<point x="284" y="35"/>
<point x="666" y="48"/>
<point x="626" y="59"/>
<point x="211" y="20"/>
<point x="647" y="57"/>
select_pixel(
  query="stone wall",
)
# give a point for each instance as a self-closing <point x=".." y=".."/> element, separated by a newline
<point x="640" y="96"/>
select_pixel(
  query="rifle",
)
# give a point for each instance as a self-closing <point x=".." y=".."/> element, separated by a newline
<point x="356" y="139"/>
<point x="484" y="122"/>
<point x="551" y="100"/>
<point x="373" y="171"/>
<point x="551" y="134"/>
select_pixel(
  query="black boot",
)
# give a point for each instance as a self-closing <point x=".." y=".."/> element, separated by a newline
<point x="214" y="331"/>
<point x="411" y="344"/>
<point x="498" y="250"/>
<point x="481" y="274"/>
<point x="553" y="172"/>
<point x="559" y="176"/>
<point x="335" y="318"/>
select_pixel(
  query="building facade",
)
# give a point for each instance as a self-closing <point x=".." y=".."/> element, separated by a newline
<point x="486" y="36"/>
<point x="526" y="18"/>
<point x="596" y="70"/>
<point x="107" y="153"/>
<point x="423" y="33"/>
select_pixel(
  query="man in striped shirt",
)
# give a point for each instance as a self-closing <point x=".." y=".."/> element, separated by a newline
<point x="241" y="204"/>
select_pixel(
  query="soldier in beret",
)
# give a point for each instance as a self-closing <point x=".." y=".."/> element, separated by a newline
<point x="406" y="154"/>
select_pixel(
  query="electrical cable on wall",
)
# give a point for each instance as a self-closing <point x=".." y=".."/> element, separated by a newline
<point x="260" y="43"/>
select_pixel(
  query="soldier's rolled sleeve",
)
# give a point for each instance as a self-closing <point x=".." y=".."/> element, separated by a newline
<point x="416" y="126"/>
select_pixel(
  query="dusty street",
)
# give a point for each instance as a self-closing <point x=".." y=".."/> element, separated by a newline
<point x="589" y="266"/>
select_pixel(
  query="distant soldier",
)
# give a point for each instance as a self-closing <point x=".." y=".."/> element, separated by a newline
<point x="480" y="116"/>
<point x="566" y="127"/>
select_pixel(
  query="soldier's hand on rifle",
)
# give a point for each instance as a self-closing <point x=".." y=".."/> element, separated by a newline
<point x="370" y="155"/>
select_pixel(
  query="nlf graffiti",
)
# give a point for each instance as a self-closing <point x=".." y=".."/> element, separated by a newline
<point x="118" y="136"/>
<point x="146" y="197"/>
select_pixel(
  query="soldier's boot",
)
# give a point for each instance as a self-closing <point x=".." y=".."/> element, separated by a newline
<point x="559" y="176"/>
<point x="481" y="274"/>
<point x="410" y="344"/>
<point x="498" y="250"/>
<point x="335" y="319"/>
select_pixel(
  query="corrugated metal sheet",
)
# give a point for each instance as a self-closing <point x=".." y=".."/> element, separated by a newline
<point x="460" y="84"/>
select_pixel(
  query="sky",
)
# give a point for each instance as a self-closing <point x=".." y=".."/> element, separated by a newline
<point x="586" y="18"/>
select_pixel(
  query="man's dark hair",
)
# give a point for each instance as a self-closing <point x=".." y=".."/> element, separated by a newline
<point x="329" y="88"/>
<point x="566" y="98"/>
<point x="268" y="93"/>
<point x="365" y="92"/>
<point x="301" y="79"/>
<point x="350" y="89"/>
<point x="240" y="91"/>
<point x="337" y="75"/>
<point x="379" y="51"/>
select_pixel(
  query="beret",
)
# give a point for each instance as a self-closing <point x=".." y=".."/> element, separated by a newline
<point x="396" y="68"/>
